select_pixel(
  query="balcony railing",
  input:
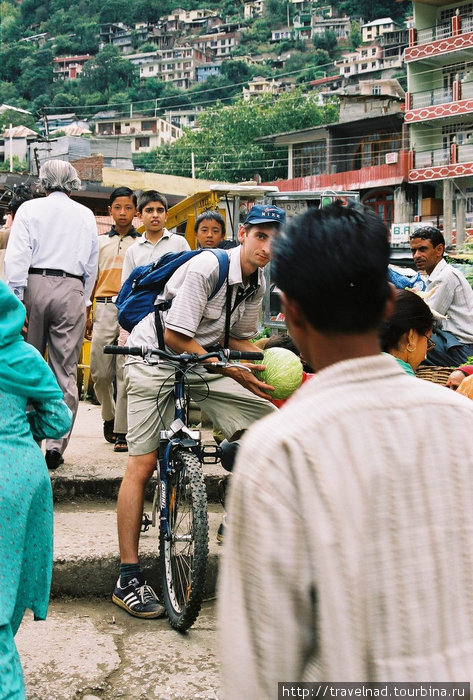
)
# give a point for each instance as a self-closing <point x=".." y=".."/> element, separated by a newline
<point x="465" y="153"/>
<point x="457" y="25"/>
<point x="439" y="31"/>
<point x="466" y="89"/>
<point x="428" y="98"/>
<point x="426" y="159"/>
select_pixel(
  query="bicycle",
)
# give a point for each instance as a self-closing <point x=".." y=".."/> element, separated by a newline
<point x="180" y="496"/>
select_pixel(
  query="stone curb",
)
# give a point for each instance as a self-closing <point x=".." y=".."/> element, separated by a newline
<point x="67" y="488"/>
<point x="92" y="577"/>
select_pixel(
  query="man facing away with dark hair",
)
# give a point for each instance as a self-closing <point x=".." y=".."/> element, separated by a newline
<point x="105" y="368"/>
<point x="449" y="293"/>
<point x="349" y="549"/>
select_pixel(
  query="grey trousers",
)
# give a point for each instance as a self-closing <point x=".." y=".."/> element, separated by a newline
<point x="105" y="368"/>
<point x="56" y="319"/>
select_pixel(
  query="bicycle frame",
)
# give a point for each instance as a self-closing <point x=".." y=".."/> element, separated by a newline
<point x="177" y="436"/>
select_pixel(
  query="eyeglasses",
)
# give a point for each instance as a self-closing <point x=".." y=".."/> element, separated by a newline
<point x="430" y="342"/>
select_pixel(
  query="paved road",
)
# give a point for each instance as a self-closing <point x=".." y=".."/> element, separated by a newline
<point x="91" y="649"/>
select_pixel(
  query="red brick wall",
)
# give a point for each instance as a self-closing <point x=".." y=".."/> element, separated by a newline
<point x="89" y="168"/>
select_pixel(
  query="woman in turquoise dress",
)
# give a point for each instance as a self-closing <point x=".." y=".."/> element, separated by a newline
<point x="406" y="333"/>
<point x="26" y="505"/>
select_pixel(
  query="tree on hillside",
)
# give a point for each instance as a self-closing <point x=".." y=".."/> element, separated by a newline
<point x="11" y="116"/>
<point x="327" y="41"/>
<point x="354" y="38"/>
<point x="108" y="73"/>
<point x="224" y="147"/>
<point x="370" y="9"/>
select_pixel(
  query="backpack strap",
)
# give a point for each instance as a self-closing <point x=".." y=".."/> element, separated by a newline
<point x="163" y="306"/>
<point x="223" y="268"/>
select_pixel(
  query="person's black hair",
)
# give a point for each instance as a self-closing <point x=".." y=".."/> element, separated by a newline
<point x="151" y="196"/>
<point x="333" y="262"/>
<point x="282" y="341"/>
<point x="213" y="216"/>
<point x="122" y="192"/>
<point x="429" y="233"/>
<point x="410" y="313"/>
<point x="21" y="193"/>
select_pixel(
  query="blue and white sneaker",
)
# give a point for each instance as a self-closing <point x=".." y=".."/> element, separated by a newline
<point x="138" y="599"/>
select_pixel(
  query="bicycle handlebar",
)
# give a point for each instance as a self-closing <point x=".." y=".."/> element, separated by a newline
<point x="143" y="351"/>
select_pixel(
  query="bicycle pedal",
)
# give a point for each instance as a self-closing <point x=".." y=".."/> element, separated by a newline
<point x="146" y="523"/>
<point x="210" y="454"/>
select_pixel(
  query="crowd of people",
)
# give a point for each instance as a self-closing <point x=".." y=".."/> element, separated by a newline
<point x="349" y="508"/>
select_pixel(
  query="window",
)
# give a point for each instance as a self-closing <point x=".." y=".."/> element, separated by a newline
<point x="376" y="90"/>
<point x="147" y="125"/>
<point x="309" y="158"/>
<point x="142" y="142"/>
<point x="373" y="148"/>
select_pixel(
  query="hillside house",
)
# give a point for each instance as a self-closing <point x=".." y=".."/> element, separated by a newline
<point x="145" y="132"/>
<point x="69" y="67"/>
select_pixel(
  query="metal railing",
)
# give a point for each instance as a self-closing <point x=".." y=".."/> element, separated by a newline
<point x="427" y="98"/>
<point x="465" y="153"/>
<point x="426" y="159"/>
<point x="439" y="31"/>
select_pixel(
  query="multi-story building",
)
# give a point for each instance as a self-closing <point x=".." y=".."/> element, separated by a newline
<point x="220" y="43"/>
<point x="261" y="86"/>
<point x="205" y="70"/>
<point x="177" y="65"/>
<point x="283" y="34"/>
<point x="439" y="111"/>
<point x="145" y="132"/>
<point x="340" y="26"/>
<point x="253" y="8"/>
<point x="69" y="67"/>
<point x="372" y="30"/>
<point x="302" y="24"/>
<point x="365" y="59"/>
<point x="183" y="118"/>
<point x="365" y="151"/>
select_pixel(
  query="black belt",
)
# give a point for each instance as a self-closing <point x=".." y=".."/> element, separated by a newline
<point x="53" y="273"/>
<point x="104" y="300"/>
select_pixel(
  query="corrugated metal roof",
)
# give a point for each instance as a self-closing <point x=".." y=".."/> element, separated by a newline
<point x="19" y="132"/>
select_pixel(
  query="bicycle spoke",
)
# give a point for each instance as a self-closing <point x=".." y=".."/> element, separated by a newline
<point x="184" y="555"/>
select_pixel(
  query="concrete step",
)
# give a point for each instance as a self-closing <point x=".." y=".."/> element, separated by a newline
<point x="86" y="561"/>
<point x="92" y="469"/>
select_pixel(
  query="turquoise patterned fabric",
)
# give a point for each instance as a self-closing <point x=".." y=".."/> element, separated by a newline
<point x="26" y="503"/>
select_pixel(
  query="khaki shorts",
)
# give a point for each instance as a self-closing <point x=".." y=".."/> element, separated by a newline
<point x="149" y="389"/>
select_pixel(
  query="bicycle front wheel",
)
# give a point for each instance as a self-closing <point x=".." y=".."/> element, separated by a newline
<point x="183" y="555"/>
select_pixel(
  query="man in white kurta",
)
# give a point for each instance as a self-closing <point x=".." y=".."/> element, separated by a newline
<point x="349" y="549"/>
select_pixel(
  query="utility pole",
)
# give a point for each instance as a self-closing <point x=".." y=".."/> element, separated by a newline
<point x="11" y="147"/>
<point x="193" y="165"/>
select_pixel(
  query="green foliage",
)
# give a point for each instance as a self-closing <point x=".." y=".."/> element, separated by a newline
<point x="224" y="147"/>
<point x="19" y="166"/>
<point x="108" y="73"/>
<point x="370" y="9"/>
<point x="10" y="116"/>
<point x="355" y="36"/>
<point x="327" y="42"/>
<point x="275" y="11"/>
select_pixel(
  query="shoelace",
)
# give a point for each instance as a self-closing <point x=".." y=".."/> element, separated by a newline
<point x="147" y="594"/>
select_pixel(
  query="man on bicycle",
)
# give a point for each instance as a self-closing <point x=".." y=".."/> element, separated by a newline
<point x="232" y="397"/>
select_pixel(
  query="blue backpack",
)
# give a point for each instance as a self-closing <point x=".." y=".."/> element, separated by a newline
<point x="138" y="293"/>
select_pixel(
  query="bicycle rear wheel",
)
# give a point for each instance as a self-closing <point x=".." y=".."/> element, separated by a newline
<point x="183" y="556"/>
